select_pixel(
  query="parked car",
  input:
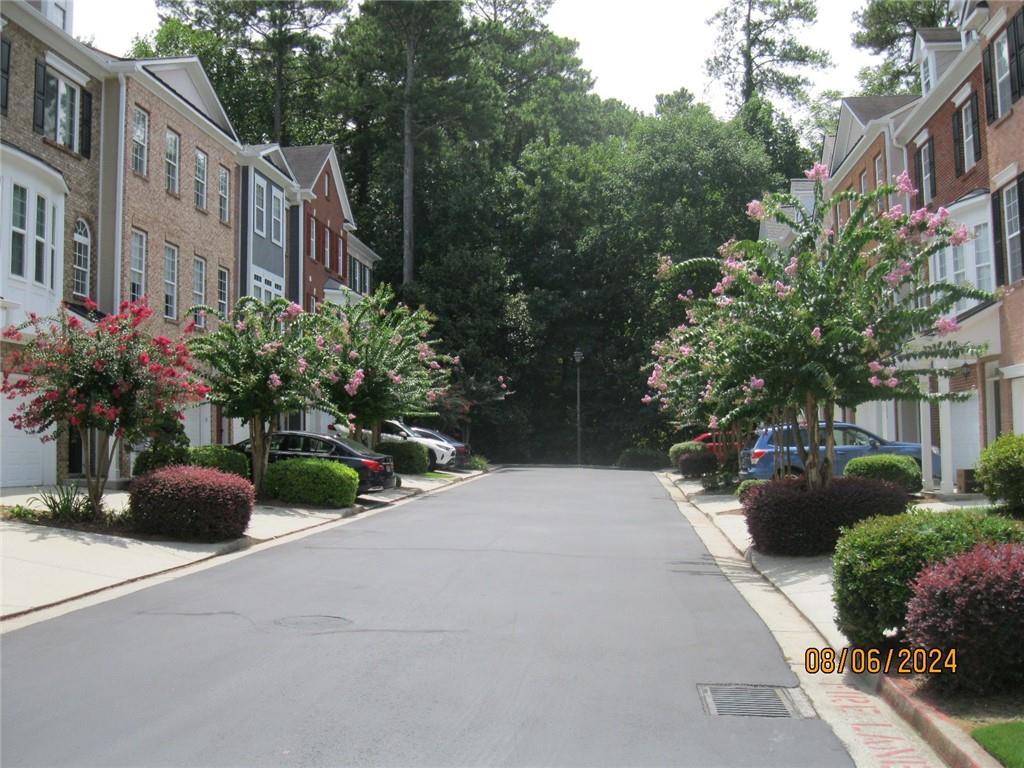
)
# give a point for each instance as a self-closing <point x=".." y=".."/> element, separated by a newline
<point x="376" y="471"/>
<point x="462" y="452"/>
<point x="440" y="452"/>
<point x="757" y="461"/>
<point x="721" y="445"/>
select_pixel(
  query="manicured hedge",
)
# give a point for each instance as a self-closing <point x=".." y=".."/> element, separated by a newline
<point x="694" y="464"/>
<point x="219" y="457"/>
<point x="410" y="458"/>
<point x="642" y="458"/>
<point x="784" y="518"/>
<point x="973" y="604"/>
<point x="158" y="457"/>
<point x="876" y="561"/>
<point x="311" y="481"/>
<point x="746" y="485"/>
<point x="191" y="503"/>
<point x="1001" y="472"/>
<point x="902" y="470"/>
<point x="688" y="447"/>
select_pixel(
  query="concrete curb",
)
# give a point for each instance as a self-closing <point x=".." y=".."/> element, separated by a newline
<point x="955" y="747"/>
<point x="234" y="546"/>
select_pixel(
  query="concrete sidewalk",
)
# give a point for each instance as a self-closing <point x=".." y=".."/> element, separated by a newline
<point x="41" y="565"/>
<point x="806" y="582"/>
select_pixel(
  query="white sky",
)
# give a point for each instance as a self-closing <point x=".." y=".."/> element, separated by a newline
<point x="635" y="49"/>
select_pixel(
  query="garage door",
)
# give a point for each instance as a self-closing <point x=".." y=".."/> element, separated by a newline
<point x="24" y="458"/>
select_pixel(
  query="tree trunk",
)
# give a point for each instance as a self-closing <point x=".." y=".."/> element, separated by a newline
<point x="375" y="434"/>
<point x="96" y="479"/>
<point x="407" y="162"/>
<point x="748" y="56"/>
<point x="260" y="434"/>
<point x="280" y="46"/>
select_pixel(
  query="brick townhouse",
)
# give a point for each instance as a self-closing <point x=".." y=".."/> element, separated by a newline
<point x="962" y="141"/>
<point x="50" y="171"/>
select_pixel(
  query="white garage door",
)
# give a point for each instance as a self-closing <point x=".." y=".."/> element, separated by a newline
<point x="24" y="458"/>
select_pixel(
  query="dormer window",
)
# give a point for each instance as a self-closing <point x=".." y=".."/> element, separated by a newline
<point x="926" y="75"/>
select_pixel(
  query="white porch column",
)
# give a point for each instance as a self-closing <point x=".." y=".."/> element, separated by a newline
<point x="946" y="438"/>
<point x="927" y="479"/>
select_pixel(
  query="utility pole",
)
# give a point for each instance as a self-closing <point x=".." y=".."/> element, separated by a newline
<point x="578" y="357"/>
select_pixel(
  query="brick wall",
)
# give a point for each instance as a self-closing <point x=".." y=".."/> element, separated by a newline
<point x="329" y="219"/>
<point x="81" y="174"/>
<point x="1011" y="327"/>
<point x="174" y="218"/>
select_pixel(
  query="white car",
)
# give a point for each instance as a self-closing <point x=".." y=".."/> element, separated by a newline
<point x="441" y="453"/>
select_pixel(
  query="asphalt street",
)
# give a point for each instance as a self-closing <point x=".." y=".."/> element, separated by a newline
<point x="536" y="617"/>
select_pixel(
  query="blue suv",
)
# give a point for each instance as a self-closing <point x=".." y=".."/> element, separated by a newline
<point x="757" y="462"/>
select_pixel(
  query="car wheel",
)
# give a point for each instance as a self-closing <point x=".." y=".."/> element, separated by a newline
<point x="433" y="461"/>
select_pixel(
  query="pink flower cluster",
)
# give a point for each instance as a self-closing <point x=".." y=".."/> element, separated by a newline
<point x="819" y="172"/>
<point x="905" y="185"/>
<point x="901" y="271"/>
<point x="946" y="325"/>
<point x="960" y="235"/>
<point x="355" y="382"/>
<point x="755" y="210"/>
<point x="293" y="311"/>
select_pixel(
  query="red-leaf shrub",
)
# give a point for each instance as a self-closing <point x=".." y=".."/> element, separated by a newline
<point x="192" y="503"/>
<point x="974" y="603"/>
<point x="785" y="518"/>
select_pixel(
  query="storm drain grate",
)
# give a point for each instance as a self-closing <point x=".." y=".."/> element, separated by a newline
<point x="754" y="701"/>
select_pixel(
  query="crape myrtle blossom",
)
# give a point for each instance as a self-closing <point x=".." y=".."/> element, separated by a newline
<point x="905" y="185"/>
<point x="819" y="172"/>
<point x="946" y="325"/>
<point x="755" y="210"/>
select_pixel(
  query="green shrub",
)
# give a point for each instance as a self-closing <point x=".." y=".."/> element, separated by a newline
<point x="1001" y="472"/>
<point x="311" y="481"/>
<point x="711" y="481"/>
<point x="876" y="560"/>
<point x="479" y="462"/>
<point x="746" y="485"/>
<point x="66" y="504"/>
<point x="901" y="470"/>
<point x="410" y="458"/>
<point x="688" y="447"/>
<point x="219" y="457"/>
<point x="191" y="503"/>
<point x="168" y="446"/>
<point x="642" y="458"/>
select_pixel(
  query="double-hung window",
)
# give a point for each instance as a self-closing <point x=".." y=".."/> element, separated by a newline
<point x="327" y="247"/>
<point x="1011" y="219"/>
<point x="982" y="258"/>
<point x="19" y="221"/>
<point x="925" y="155"/>
<point x="61" y="110"/>
<point x="170" y="281"/>
<point x="137" y="273"/>
<point x="260" y="207"/>
<point x="199" y="287"/>
<point x="172" y="162"/>
<point x="967" y="120"/>
<point x="926" y="75"/>
<point x="39" y="266"/>
<point x="224" y="193"/>
<point x="82" y="258"/>
<point x="140" y="141"/>
<point x="223" y="291"/>
<point x="1001" y="56"/>
<point x="313" y="226"/>
<point x="276" y="216"/>
<point x="200" y="179"/>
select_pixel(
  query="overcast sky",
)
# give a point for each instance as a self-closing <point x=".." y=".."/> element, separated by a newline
<point x="635" y="49"/>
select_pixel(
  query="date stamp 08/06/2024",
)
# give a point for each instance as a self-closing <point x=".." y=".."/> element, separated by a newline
<point x="903" y="661"/>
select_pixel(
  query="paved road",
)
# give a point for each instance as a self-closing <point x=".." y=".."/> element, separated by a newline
<point x="535" y="617"/>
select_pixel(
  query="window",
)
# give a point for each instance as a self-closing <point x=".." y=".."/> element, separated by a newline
<point x="39" y="271"/>
<point x="60" y="110"/>
<point x="1011" y="215"/>
<point x="982" y="258"/>
<point x="927" y="181"/>
<point x="959" y="272"/>
<point x="140" y="141"/>
<point x="19" y="221"/>
<point x="265" y="285"/>
<point x="276" y="216"/>
<point x="82" y="259"/>
<point x="340" y="263"/>
<point x="967" y="120"/>
<point x="260" y="204"/>
<point x="53" y="245"/>
<point x="312" y="239"/>
<point x="939" y="266"/>
<point x="199" y="287"/>
<point x="60" y="16"/>
<point x="863" y="182"/>
<point x="926" y="75"/>
<point x="352" y="276"/>
<point x="200" y="179"/>
<point x="327" y="247"/>
<point x="173" y="161"/>
<point x="223" y="291"/>
<point x="880" y="179"/>
<point x="1001" y="55"/>
<point x="137" y="276"/>
<point x="170" y="282"/>
<point x="224" y="192"/>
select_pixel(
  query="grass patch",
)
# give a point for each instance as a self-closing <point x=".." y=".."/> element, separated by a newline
<point x="1005" y="741"/>
<point x="437" y="475"/>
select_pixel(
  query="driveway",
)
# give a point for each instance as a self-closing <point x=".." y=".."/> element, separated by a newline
<point x="534" y="617"/>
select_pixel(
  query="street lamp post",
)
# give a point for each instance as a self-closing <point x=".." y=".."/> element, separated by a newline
<point x="578" y="357"/>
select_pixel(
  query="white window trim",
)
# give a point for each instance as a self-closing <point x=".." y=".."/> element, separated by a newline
<point x="23" y="231"/>
<point x="961" y="96"/>
<point x="926" y="173"/>
<point x="63" y="86"/>
<point x="224" y="304"/>
<point x="1005" y="176"/>
<point x="38" y="241"/>
<point x="131" y="265"/>
<point x="1001" y="109"/>
<point x="85" y="241"/>
<point x="260" y="229"/>
<point x="72" y="73"/>
<point x="266" y="285"/>
<point x="1007" y="234"/>
<point x="223" y="194"/>
<point x="202" y="201"/>
<point x="171" y="283"/>
<point x="176" y="164"/>
<point x="276" y="216"/>
<point x="312" y="239"/>
<point x="926" y="75"/>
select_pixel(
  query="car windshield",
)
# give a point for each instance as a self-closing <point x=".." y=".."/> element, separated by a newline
<point x="348" y="442"/>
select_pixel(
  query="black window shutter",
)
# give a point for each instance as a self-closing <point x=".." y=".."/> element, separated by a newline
<point x="958" y="142"/>
<point x="990" y="93"/>
<point x="997" y="237"/>
<point x="1018" y="25"/>
<point x="1012" y="47"/>
<point x="85" y="125"/>
<point x="931" y="165"/>
<point x="5" y="72"/>
<point x="39" y="98"/>
<point x="918" y="175"/>
<point x="976" y="126"/>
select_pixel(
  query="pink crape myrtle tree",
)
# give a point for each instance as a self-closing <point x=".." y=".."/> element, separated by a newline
<point x="263" y="361"/>
<point x="106" y="374"/>
<point x="840" y="317"/>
